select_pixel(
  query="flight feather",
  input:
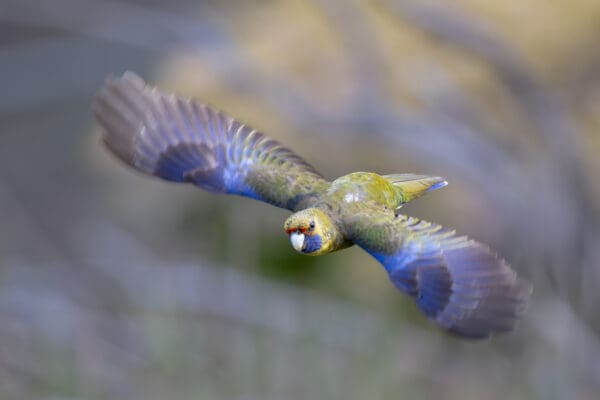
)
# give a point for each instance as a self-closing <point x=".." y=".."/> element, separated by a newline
<point x="182" y="140"/>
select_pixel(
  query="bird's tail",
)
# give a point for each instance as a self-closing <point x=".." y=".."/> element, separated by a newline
<point x="411" y="186"/>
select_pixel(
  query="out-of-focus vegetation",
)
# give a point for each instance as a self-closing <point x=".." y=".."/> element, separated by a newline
<point x="114" y="285"/>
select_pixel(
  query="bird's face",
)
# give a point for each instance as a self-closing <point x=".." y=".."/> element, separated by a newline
<point x="311" y="232"/>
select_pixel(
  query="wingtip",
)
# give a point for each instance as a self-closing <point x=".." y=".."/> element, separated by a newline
<point x="113" y="108"/>
<point x="134" y="79"/>
<point x="488" y="297"/>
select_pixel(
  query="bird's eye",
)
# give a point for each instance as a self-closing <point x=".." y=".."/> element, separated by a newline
<point x="312" y="225"/>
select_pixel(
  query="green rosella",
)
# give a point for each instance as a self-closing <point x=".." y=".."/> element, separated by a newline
<point x="457" y="282"/>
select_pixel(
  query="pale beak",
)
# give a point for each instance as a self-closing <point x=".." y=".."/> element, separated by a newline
<point x="297" y="240"/>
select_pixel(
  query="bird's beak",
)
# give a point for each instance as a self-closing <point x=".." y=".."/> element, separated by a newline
<point x="297" y="239"/>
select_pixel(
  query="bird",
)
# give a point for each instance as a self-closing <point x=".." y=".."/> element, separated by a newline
<point x="460" y="284"/>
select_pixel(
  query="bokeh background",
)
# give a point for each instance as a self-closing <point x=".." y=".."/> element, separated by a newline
<point x="117" y="286"/>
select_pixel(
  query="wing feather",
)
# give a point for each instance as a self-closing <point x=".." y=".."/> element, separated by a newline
<point x="459" y="283"/>
<point x="182" y="140"/>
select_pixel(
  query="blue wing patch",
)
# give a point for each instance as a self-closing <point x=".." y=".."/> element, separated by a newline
<point x="458" y="282"/>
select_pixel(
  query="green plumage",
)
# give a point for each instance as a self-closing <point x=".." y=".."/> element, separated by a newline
<point x="458" y="282"/>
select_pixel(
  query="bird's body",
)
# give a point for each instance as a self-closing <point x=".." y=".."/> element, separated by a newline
<point x="364" y="187"/>
<point x="458" y="282"/>
<point x="340" y="199"/>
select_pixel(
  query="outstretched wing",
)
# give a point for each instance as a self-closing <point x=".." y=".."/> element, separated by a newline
<point x="181" y="140"/>
<point x="459" y="283"/>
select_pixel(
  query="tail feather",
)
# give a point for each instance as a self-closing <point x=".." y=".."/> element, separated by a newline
<point x="411" y="186"/>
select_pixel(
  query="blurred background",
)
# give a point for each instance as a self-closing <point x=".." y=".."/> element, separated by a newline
<point x="118" y="286"/>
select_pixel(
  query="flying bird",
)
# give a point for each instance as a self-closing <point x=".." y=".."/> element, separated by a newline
<point x="457" y="282"/>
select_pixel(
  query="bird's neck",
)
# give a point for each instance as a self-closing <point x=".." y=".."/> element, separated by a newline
<point x="334" y="232"/>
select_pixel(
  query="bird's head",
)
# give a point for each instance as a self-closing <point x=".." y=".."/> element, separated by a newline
<point x="311" y="232"/>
